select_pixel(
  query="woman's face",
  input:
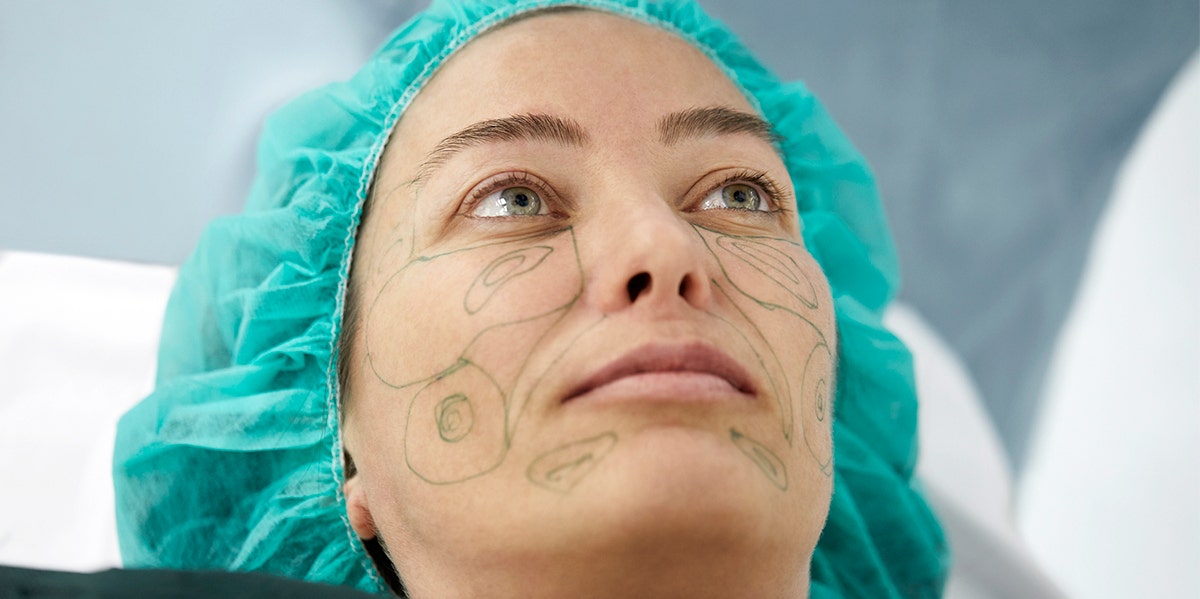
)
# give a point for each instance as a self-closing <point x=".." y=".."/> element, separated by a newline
<point x="593" y="353"/>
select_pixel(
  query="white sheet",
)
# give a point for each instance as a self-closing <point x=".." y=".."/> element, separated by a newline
<point x="77" y="345"/>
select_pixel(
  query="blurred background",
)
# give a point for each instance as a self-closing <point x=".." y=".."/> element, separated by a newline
<point x="1040" y="162"/>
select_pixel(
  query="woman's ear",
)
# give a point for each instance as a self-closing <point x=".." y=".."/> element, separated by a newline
<point x="357" y="507"/>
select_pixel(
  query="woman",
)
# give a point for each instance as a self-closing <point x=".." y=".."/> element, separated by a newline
<point x="525" y="309"/>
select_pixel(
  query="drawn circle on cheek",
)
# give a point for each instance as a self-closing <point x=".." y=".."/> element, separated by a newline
<point x="815" y="406"/>
<point x="455" y="417"/>
<point x="455" y="427"/>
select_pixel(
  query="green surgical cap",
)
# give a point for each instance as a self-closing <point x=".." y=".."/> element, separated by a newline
<point x="234" y="462"/>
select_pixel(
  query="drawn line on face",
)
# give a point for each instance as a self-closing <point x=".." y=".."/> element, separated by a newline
<point x="452" y="432"/>
<point x="524" y="397"/>
<point x="782" y="392"/>
<point x="455" y="417"/>
<point x="774" y="265"/>
<point x="815" y="397"/>
<point x="515" y="413"/>
<point x="565" y="466"/>
<point x="768" y="463"/>
<point x="385" y="250"/>
<point x="822" y="392"/>
<point x="382" y="256"/>
<point x="481" y="298"/>
<point x="814" y="386"/>
<point x="467" y="434"/>
<point x="770" y="306"/>
<point x="455" y="414"/>
<point x="501" y="271"/>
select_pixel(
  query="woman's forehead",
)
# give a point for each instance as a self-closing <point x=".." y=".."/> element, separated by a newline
<point x="610" y="74"/>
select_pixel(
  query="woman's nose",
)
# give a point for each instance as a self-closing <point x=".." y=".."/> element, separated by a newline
<point x="647" y="256"/>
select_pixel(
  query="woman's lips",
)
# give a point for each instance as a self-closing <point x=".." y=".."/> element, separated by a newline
<point x="667" y="372"/>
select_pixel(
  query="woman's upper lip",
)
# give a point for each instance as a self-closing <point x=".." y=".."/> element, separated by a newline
<point x="669" y="357"/>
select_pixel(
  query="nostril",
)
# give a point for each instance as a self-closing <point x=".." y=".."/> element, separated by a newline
<point x="637" y="284"/>
<point x="683" y="286"/>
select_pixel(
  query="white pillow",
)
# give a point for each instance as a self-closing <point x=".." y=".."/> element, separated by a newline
<point x="78" y="339"/>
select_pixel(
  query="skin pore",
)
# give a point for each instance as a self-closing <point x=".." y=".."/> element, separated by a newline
<point x="590" y="356"/>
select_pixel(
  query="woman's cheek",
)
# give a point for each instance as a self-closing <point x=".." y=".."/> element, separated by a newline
<point x="448" y="335"/>
<point x="485" y="305"/>
<point x="783" y="296"/>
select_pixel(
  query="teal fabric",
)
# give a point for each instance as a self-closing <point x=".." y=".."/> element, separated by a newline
<point x="234" y="461"/>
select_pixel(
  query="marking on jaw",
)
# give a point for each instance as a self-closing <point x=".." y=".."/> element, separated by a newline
<point x="766" y="460"/>
<point x="562" y="468"/>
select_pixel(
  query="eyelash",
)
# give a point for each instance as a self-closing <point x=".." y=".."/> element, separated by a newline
<point x="774" y="193"/>
<point x="511" y="179"/>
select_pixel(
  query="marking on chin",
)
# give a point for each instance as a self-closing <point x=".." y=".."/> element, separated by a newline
<point x="562" y="468"/>
<point x="766" y="460"/>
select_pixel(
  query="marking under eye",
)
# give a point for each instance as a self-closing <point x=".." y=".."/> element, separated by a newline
<point x="502" y="270"/>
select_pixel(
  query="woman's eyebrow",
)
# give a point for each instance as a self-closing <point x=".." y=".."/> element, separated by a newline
<point x="672" y="129"/>
<point x="713" y="120"/>
<point x="532" y="127"/>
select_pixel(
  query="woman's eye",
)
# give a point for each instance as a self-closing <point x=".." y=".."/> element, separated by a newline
<point x="735" y="196"/>
<point x="509" y="201"/>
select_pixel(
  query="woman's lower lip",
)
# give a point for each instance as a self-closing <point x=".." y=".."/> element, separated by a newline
<point x="672" y="386"/>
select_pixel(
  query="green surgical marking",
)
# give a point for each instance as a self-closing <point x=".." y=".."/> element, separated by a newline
<point x="562" y="468"/>
<point x="766" y="460"/>
<point x="501" y="271"/>
<point x="455" y="417"/>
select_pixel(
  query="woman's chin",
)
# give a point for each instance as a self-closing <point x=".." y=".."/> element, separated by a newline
<point x="669" y="486"/>
<point x="668" y="511"/>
